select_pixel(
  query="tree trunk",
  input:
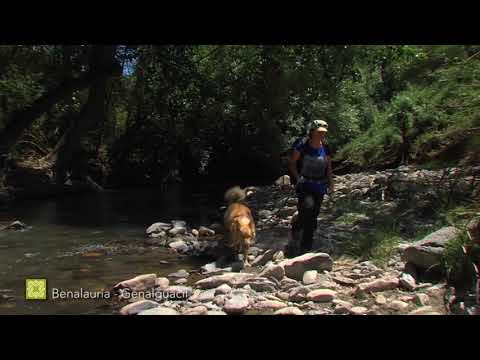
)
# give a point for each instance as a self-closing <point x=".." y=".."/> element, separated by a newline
<point x="23" y="119"/>
<point x="92" y="114"/>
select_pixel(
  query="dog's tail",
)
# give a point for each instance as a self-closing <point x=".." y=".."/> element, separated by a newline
<point x="235" y="194"/>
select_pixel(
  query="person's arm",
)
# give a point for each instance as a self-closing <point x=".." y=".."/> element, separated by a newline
<point x="330" y="173"/>
<point x="292" y="165"/>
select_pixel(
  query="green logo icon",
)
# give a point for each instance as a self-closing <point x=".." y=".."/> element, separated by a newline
<point x="36" y="289"/>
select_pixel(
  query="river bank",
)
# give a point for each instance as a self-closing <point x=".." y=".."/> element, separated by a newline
<point x="399" y="276"/>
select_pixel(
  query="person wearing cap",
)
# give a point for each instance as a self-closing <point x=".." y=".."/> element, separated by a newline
<point x="313" y="179"/>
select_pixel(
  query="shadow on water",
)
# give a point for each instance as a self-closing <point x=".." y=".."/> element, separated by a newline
<point x="92" y="242"/>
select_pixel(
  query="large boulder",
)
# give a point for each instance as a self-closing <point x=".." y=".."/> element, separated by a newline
<point x="296" y="267"/>
<point x="428" y="252"/>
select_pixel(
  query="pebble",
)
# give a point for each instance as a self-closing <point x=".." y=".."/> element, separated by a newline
<point x="223" y="289"/>
<point x="380" y="300"/>
<point x="309" y="277"/>
<point x="358" y="310"/>
<point x="397" y="305"/>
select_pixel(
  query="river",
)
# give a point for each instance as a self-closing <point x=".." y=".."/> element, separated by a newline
<point x="91" y="242"/>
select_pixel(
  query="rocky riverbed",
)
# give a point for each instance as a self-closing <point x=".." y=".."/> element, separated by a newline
<point x="323" y="281"/>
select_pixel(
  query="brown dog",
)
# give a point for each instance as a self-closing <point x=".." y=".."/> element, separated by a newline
<point x="239" y="223"/>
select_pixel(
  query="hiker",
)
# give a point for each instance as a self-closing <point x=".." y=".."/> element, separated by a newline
<point x="313" y="180"/>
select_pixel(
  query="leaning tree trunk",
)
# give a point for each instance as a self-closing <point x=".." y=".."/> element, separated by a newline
<point x="91" y="114"/>
<point x="23" y="119"/>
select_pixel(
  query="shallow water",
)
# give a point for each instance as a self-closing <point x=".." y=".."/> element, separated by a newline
<point x="91" y="242"/>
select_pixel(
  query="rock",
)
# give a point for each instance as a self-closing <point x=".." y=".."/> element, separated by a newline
<point x="138" y="283"/>
<point x="265" y="213"/>
<point x="283" y="295"/>
<point x="424" y="310"/>
<point x="286" y="284"/>
<point x="269" y="305"/>
<point x="342" y="280"/>
<point x="223" y="289"/>
<point x="283" y="180"/>
<point x="428" y="251"/>
<point x="436" y="291"/>
<point x="195" y="232"/>
<point x="204" y="231"/>
<point x="408" y="282"/>
<point x="298" y="293"/>
<point x="342" y="307"/>
<point x="286" y="211"/>
<point x="261" y="260"/>
<point x="278" y="256"/>
<point x="197" y="310"/>
<point x="321" y="295"/>
<point x="422" y="299"/>
<point x="219" y="300"/>
<point x="358" y="310"/>
<point x="260" y="284"/>
<point x="177" y="231"/>
<point x="273" y="271"/>
<point x="290" y="310"/>
<point x="179" y="274"/>
<point x="179" y="245"/>
<point x="376" y="286"/>
<point x="159" y="310"/>
<point x="158" y="227"/>
<point x="237" y="304"/>
<point x="380" y="300"/>
<point x="231" y="279"/>
<point x="16" y="225"/>
<point x="162" y="282"/>
<point x="206" y="296"/>
<point x="215" y="312"/>
<point x="180" y="281"/>
<point x="309" y="277"/>
<point x="138" y="306"/>
<point x="397" y="305"/>
<point x="178" y="224"/>
<point x="296" y="267"/>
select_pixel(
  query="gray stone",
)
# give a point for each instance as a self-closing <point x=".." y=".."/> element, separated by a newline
<point x="428" y="251"/>
<point x="138" y="306"/>
<point x="422" y="299"/>
<point x="290" y="310"/>
<point x="159" y="310"/>
<point x="177" y="231"/>
<point x="138" y="283"/>
<point x="309" y="277"/>
<point x="237" y="304"/>
<point x="265" y="213"/>
<point x="179" y="274"/>
<point x="358" y="310"/>
<point x="408" y="282"/>
<point x="215" y="312"/>
<point x="397" y="305"/>
<point x="261" y="260"/>
<point x="162" y="282"/>
<point x="298" y="293"/>
<point x="321" y="295"/>
<point x="204" y="231"/>
<point x="223" y="289"/>
<point x="158" y="227"/>
<point x="296" y="267"/>
<point x="181" y="281"/>
<point x="376" y="286"/>
<point x="197" y="310"/>
<point x="424" y="310"/>
<point x="231" y="279"/>
<point x="269" y="305"/>
<point x="179" y="245"/>
<point x="273" y="271"/>
<point x="260" y="284"/>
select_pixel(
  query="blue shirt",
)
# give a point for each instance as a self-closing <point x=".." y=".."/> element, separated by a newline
<point x="313" y="172"/>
